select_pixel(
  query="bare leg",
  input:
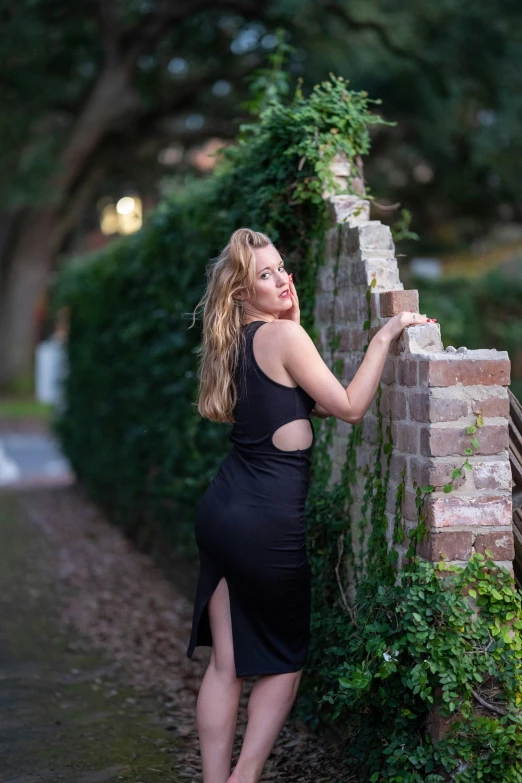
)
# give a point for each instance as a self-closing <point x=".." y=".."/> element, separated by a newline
<point x="218" y="698"/>
<point x="268" y="707"/>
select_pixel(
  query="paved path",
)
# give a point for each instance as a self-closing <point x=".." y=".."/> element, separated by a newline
<point x="32" y="460"/>
<point x="65" y="716"/>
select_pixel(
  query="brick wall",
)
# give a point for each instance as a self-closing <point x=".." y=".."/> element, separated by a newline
<point x="430" y="396"/>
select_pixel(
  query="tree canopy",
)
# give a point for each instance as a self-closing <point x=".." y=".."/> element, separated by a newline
<point x="93" y="93"/>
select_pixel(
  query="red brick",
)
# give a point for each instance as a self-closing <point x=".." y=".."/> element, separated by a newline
<point x="369" y="429"/>
<point x="436" y="472"/>
<point x="469" y="372"/>
<point x="393" y="403"/>
<point x="409" y="507"/>
<point x="405" y="437"/>
<point x="351" y="306"/>
<point x="424" y="407"/>
<point x="499" y="542"/>
<point x="325" y="279"/>
<point x="493" y="406"/>
<point x="350" y="366"/>
<point x="397" y="465"/>
<point x="447" y="545"/>
<point x="492" y="475"/>
<point x="323" y="309"/>
<point x="389" y="372"/>
<point x="352" y="338"/>
<point x="455" y="510"/>
<point x="407" y="372"/>
<point x="395" y="302"/>
<point x="446" y="441"/>
<point x="358" y="274"/>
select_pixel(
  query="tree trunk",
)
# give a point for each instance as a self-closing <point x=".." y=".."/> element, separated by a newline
<point x="40" y="233"/>
<point x="24" y="283"/>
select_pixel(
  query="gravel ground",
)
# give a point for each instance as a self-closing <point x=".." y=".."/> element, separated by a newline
<point x="121" y="601"/>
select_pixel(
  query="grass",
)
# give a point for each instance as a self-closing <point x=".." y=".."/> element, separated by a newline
<point x="24" y="408"/>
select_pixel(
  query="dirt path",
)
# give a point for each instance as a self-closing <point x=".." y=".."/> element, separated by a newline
<point x="93" y="652"/>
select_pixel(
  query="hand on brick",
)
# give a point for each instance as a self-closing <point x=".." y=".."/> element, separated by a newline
<point x="392" y="330"/>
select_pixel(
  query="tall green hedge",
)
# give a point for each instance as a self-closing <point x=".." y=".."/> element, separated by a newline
<point x="130" y="426"/>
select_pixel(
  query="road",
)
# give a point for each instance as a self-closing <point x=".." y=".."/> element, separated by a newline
<point x="32" y="459"/>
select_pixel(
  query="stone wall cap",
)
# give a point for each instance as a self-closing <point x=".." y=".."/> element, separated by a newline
<point x="477" y="355"/>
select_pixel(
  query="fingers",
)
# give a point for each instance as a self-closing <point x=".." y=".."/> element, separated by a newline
<point x="416" y="319"/>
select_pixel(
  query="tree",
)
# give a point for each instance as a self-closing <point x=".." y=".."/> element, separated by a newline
<point x="79" y="77"/>
<point x="89" y="88"/>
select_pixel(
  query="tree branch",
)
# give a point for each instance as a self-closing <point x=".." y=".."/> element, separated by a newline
<point x="344" y="600"/>
<point x="382" y="33"/>
<point x="110" y="29"/>
<point x="152" y="27"/>
<point x="486" y="704"/>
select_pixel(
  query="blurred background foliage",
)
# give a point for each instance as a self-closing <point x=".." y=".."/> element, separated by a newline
<point x="104" y="100"/>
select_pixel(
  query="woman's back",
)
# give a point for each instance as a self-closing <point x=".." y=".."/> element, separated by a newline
<point x="270" y="417"/>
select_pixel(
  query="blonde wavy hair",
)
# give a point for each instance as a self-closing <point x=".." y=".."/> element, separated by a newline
<point x="233" y="271"/>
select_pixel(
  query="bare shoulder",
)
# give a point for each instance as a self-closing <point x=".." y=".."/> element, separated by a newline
<point x="281" y="337"/>
<point x="284" y="330"/>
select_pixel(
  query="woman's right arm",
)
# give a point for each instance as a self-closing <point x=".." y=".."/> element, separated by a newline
<point x="306" y="366"/>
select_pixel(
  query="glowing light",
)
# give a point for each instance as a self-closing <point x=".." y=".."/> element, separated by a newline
<point x="109" y="220"/>
<point x="125" y="205"/>
<point x="123" y="218"/>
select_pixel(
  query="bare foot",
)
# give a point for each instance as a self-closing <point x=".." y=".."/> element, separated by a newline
<point x="238" y="778"/>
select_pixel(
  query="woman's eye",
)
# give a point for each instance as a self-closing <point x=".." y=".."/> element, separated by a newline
<point x="266" y="273"/>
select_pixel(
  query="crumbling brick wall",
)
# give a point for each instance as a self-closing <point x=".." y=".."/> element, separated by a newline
<point x="429" y="394"/>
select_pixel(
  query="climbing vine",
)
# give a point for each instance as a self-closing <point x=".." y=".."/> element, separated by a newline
<point x="410" y="648"/>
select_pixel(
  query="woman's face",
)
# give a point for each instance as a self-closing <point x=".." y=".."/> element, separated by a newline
<point x="272" y="288"/>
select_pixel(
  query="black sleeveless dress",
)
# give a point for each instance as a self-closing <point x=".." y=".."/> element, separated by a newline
<point x="250" y="529"/>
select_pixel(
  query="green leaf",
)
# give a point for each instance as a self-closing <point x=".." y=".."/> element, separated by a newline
<point x="417" y="617"/>
<point x="475" y="443"/>
<point x="471" y="429"/>
<point x="448" y="488"/>
<point x="468" y="465"/>
<point x="468" y="451"/>
<point x="366" y="325"/>
<point x="472" y="593"/>
<point x="428" y="488"/>
<point x="480" y="421"/>
<point x="374" y="282"/>
<point x="456" y="473"/>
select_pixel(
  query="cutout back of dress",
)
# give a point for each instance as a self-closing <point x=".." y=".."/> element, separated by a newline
<point x="269" y="415"/>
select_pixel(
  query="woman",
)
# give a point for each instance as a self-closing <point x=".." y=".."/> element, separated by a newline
<point x="260" y="370"/>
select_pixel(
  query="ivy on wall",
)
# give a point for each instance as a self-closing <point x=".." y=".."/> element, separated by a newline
<point x="414" y="646"/>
